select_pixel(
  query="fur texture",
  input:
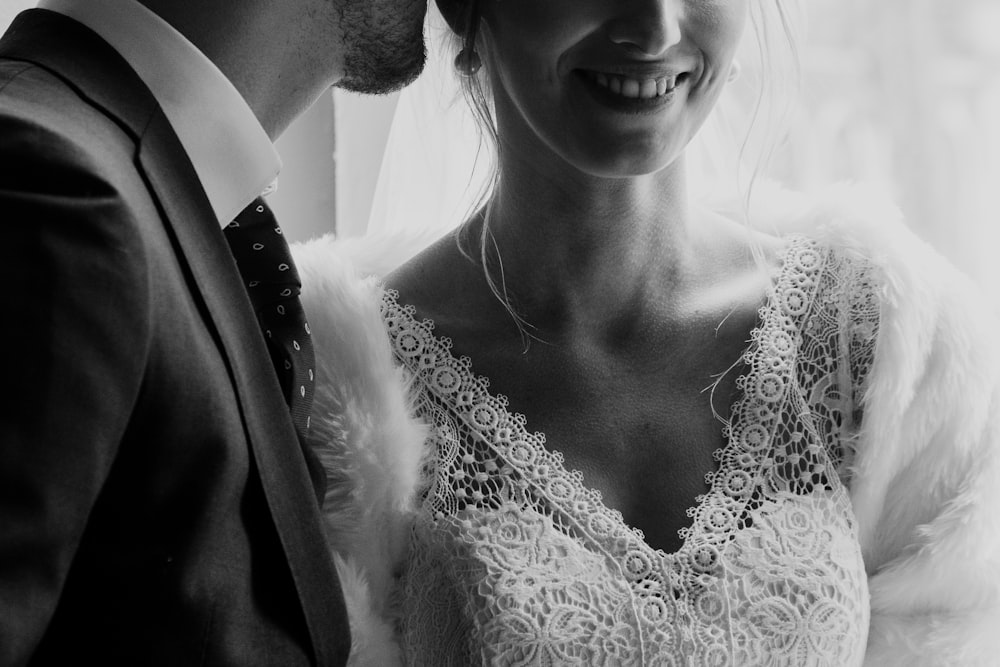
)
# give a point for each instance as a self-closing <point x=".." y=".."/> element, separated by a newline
<point x="364" y="435"/>
<point x="926" y="483"/>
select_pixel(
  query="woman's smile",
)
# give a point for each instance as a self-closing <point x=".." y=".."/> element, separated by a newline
<point x="635" y="92"/>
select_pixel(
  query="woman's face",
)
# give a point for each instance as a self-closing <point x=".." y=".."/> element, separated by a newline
<point x="613" y="87"/>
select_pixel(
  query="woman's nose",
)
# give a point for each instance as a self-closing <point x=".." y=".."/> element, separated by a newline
<point x="649" y="27"/>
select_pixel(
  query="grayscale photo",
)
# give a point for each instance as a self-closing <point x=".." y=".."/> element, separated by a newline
<point x="520" y="333"/>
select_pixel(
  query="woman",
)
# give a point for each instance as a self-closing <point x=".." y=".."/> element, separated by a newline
<point x="574" y="347"/>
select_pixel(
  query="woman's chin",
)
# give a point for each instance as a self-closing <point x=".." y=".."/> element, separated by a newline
<point x="618" y="162"/>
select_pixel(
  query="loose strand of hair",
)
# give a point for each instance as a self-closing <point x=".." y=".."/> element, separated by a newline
<point x="474" y="89"/>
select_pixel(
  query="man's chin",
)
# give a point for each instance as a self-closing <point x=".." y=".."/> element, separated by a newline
<point x="383" y="77"/>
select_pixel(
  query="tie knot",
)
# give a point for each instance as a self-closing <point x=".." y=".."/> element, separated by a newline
<point x="256" y="216"/>
<point x="263" y="256"/>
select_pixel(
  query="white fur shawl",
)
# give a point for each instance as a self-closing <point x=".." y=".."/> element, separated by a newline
<point x="370" y="446"/>
<point x="926" y="484"/>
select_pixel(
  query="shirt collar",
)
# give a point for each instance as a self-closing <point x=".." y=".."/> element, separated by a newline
<point x="234" y="158"/>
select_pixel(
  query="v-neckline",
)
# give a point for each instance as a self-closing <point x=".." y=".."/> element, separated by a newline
<point x="769" y="364"/>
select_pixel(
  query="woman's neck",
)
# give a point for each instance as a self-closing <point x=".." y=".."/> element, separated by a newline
<point x="587" y="251"/>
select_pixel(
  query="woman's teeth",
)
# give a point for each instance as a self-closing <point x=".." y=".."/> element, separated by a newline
<point x="641" y="89"/>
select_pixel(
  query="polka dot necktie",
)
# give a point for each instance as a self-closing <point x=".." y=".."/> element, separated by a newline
<point x="266" y="266"/>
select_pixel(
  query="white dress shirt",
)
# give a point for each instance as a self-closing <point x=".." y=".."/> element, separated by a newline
<point x="233" y="156"/>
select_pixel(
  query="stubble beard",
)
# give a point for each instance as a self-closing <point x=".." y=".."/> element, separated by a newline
<point x="383" y="49"/>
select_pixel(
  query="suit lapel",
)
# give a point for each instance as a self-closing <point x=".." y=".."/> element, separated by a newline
<point x="57" y="44"/>
<point x="272" y="435"/>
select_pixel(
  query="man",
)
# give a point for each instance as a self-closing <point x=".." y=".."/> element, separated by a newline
<point x="156" y="505"/>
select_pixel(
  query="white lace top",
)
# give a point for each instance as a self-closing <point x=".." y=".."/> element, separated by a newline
<point x="515" y="561"/>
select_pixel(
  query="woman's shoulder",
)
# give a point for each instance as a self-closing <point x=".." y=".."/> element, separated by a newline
<point x="867" y="237"/>
<point x="426" y="278"/>
<point x="928" y="307"/>
<point x="935" y="325"/>
<point x="445" y="284"/>
<point x="848" y="220"/>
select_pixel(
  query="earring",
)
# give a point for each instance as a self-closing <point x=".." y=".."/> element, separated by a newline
<point x="468" y="62"/>
<point x="735" y="68"/>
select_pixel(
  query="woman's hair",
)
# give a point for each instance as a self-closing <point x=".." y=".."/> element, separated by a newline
<point x="776" y="25"/>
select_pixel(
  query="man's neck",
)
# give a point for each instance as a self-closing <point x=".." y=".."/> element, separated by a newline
<point x="272" y="52"/>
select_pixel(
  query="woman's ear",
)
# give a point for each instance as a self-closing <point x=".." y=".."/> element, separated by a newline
<point x="455" y="13"/>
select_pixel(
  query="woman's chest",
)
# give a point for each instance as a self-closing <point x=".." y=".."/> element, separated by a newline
<point x="766" y="569"/>
<point x="644" y="435"/>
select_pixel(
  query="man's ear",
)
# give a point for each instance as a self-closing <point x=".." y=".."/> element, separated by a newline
<point x="455" y="13"/>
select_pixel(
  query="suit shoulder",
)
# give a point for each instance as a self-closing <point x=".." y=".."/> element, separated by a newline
<point x="11" y="70"/>
<point x="46" y="124"/>
<point x="67" y="171"/>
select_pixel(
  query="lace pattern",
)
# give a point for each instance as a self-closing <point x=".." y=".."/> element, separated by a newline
<point x="515" y="561"/>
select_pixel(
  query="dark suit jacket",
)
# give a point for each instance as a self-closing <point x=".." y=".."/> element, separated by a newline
<point x="155" y="507"/>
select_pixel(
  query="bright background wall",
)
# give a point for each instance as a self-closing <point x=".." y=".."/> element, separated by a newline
<point x="905" y="95"/>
